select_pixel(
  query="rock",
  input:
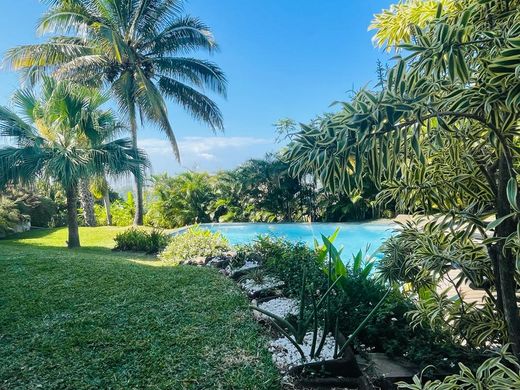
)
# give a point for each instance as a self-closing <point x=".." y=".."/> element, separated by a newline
<point x="229" y="254"/>
<point x="236" y="273"/>
<point x="286" y="356"/>
<point x="218" y="262"/>
<point x="199" y="260"/>
<point x="255" y="289"/>
<point x="281" y="307"/>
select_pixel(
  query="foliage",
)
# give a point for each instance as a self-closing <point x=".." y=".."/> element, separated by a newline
<point x="180" y="200"/>
<point x="427" y="255"/>
<point x="10" y="217"/>
<point x="152" y="325"/>
<point x="63" y="135"/>
<point x="440" y="137"/>
<point x="305" y="322"/>
<point x="496" y="373"/>
<point x="139" y="50"/>
<point x="194" y="242"/>
<point x="122" y="211"/>
<point x="285" y="260"/>
<point x="41" y="209"/>
<point x="140" y="240"/>
<point x="395" y="25"/>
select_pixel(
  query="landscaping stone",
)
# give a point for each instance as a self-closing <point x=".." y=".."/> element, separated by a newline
<point x="255" y="289"/>
<point x="200" y="260"/>
<point x="248" y="266"/>
<point x="282" y="307"/>
<point x="387" y="371"/>
<point x="218" y="262"/>
<point x="286" y="356"/>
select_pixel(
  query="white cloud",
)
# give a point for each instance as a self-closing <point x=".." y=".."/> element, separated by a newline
<point x="205" y="153"/>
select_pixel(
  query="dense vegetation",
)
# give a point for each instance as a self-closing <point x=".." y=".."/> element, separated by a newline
<point x="440" y="137"/>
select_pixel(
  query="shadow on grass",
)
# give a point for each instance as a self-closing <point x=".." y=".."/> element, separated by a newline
<point x="96" y="241"/>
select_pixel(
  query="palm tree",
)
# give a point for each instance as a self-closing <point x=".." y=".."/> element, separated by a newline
<point x="138" y="49"/>
<point x="60" y="137"/>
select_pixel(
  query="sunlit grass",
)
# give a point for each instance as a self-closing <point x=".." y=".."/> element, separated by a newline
<point x="91" y="318"/>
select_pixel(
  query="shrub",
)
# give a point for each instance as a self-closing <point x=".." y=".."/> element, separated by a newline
<point x="194" y="242"/>
<point x="140" y="240"/>
<point x="42" y="210"/>
<point x="122" y="211"/>
<point x="10" y="217"/>
<point x="499" y="372"/>
<point x="285" y="260"/>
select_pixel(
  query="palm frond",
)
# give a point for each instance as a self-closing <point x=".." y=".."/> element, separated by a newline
<point x="180" y="36"/>
<point x="198" y="105"/>
<point x="151" y="103"/>
<point x="202" y="73"/>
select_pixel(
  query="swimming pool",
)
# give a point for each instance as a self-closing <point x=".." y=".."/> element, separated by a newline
<point x="367" y="236"/>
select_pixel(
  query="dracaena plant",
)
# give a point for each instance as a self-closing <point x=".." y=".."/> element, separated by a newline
<point x="440" y="135"/>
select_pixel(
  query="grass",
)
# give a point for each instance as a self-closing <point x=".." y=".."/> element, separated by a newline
<point x="94" y="319"/>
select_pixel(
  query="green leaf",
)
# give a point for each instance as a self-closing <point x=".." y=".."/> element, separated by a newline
<point x="512" y="191"/>
<point x="497" y="222"/>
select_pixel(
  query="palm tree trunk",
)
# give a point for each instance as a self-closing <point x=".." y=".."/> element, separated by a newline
<point x="87" y="203"/>
<point x="106" y="201"/>
<point x="72" y="217"/>
<point x="139" y="207"/>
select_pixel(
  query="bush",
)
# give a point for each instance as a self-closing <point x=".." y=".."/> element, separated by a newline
<point x="140" y="240"/>
<point x="194" y="242"/>
<point x="10" y="217"/>
<point x="286" y="261"/>
<point x="122" y="212"/>
<point x="43" y="211"/>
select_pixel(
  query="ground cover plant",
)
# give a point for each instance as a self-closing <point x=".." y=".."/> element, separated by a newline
<point x="103" y="319"/>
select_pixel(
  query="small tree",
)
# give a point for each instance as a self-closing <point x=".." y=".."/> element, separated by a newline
<point x="442" y="135"/>
<point x="63" y="137"/>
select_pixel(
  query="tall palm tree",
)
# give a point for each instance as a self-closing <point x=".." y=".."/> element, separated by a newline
<point x="60" y="137"/>
<point x="138" y="49"/>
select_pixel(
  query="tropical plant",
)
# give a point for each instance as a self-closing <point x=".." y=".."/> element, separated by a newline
<point x="496" y="373"/>
<point x="322" y="312"/>
<point x="40" y="208"/>
<point x="194" y="242"/>
<point x="180" y="200"/>
<point x="137" y="49"/>
<point x="440" y="137"/>
<point x="140" y="240"/>
<point x="10" y="217"/>
<point x="284" y="260"/>
<point x="121" y="211"/>
<point x="63" y="136"/>
<point x="100" y="189"/>
<point x="259" y="190"/>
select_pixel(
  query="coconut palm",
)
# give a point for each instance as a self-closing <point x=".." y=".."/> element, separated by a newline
<point x="64" y="137"/>
<point x="138" y="49"/>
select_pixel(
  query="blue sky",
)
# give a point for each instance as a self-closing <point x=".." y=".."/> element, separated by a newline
<point x="283" y="58"/>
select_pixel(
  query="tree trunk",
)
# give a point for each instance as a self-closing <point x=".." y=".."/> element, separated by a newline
<point x="506" y="259"/>
<point x="106" y="201"/>
<point x="87" y="203"/>
<point x="72" y="217"/>
<point x="139" y="201"/>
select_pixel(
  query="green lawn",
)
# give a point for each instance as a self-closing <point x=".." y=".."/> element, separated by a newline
<point x="94" y="319"/>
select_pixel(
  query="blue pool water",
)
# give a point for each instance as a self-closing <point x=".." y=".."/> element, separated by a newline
<point x="367" y="237"/>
